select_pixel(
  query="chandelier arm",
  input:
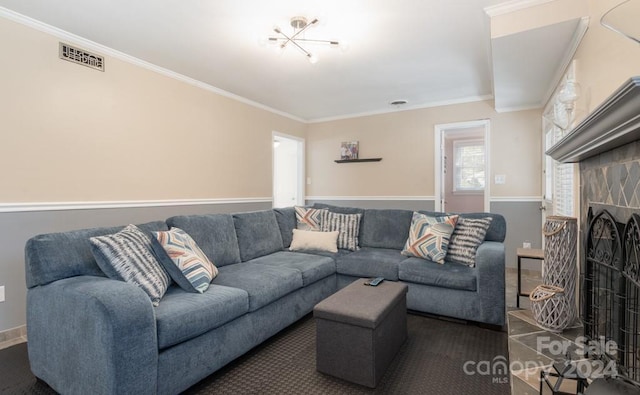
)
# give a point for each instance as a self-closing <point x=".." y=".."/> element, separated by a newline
<point x="306" y="53"/>
<point x="312" y="41"/>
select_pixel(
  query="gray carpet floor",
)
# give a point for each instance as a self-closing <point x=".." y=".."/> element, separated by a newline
<point x="430" y="362"/>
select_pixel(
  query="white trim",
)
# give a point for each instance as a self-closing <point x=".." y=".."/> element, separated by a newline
<point x="515" y="199"/>
<point x="91" y="45"/>
<point x="422" y="198"/>
<point x="400" y="198"/>
<point x="524" y="107"/>
<point x="512" y="6"/>
<point x="60" y="206"/>
<point x="470" y="99"/>
<point x="439" y="131"/>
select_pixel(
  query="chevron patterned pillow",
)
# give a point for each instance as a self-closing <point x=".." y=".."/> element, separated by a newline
<point x="466" y="238"/>
<point x="309" y="218"/>
<point x="429" y="236"/>
<point x="127" y="256"/>
<point x="184" y="260"/>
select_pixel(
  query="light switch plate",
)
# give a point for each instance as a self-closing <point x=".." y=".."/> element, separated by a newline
<point x="2" y="293"/>
<point x="500" y="179"/>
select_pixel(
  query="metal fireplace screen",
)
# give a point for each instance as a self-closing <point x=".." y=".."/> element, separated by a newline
<point x="611" y="294"/>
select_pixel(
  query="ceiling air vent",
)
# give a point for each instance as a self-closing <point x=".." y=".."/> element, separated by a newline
<point x="80" y="56"/>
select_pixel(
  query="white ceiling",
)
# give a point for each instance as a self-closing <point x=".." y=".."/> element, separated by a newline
<point x="426" y="52"/>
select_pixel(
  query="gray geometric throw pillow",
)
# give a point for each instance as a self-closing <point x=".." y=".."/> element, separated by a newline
<point x="467" y="236"/>
<point x="127" y="256"/>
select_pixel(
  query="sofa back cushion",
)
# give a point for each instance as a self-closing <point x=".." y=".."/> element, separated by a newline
<point x="215" y="234"/>
<point x="286" y="218"/>
<point x="258" y="234"/>
<point x="54" y="256"/>
<point x="496" y="232"/>
<point x="385" y="228"/>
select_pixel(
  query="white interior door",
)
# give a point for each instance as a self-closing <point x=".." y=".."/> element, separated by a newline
<point x="288" y="170"/>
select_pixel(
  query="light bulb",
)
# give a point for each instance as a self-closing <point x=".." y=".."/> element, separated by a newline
<point x="313" y="58"/>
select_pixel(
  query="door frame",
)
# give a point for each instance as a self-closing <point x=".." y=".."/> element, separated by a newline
<point x="439" y="131"/>
<point x="301" y="193"/>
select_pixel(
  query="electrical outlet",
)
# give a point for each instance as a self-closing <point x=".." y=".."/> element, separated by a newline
<point x="2" y="293"/>
<point x="500" y="179"/>
<point x="308" y="180"/>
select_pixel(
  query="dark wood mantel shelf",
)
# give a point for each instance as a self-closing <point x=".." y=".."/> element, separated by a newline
<point x="358" y="160"/>
<point x="614" y="123"/>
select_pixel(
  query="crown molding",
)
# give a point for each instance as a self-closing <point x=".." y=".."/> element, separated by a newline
<point x="512" y="6"/>
<point x="103" y="49"/>
<point x="469" y="99"/>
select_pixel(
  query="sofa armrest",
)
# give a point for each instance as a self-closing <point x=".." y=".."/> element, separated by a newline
<point x="92" y="335"/>
<point x="490" y="263"/>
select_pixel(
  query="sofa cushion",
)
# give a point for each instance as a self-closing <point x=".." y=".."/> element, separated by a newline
<point x="182" y="316"/>
<point x="429" y="236"/>
<point x="263" y="283"/>
<point x="308" y="218"/>
<point x="453" y="275"/>
<point x="370" y="262"/>
<point x="339" y="209"/>
<point x="385" y="228"/>
<point x="465" y="240"/>
<point x="286" y="218"/>
<point x="311" y="267"/>
<point x="307" y="240"/>
<point x="54" y="256"/>
<point x="348" y="226"/>
<point x="127" y="256"/>
<point x="215" y="234"/>
<point x="185" y="262"/>
<point x="258" y="233"/>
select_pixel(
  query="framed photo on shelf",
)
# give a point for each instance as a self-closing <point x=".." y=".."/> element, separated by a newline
<point x="349" y="150"/>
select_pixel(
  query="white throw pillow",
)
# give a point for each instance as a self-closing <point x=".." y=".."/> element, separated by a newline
<point x="310" y="240"/>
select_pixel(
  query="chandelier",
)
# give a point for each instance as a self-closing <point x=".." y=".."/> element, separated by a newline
<point x="297" y="38"/>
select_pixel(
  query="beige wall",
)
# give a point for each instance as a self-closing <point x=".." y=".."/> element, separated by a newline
<point x="70" y="133"/>
<point x="604" y="60"/>
<point x="405" y="141"/>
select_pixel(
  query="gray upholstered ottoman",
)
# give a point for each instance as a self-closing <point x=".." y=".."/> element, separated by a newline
<point x="359" y="330"/>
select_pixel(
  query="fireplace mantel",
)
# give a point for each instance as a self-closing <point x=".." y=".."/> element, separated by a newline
<point x="614" y="123"/>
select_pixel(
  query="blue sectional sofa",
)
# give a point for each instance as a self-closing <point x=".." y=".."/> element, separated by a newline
<point x="91" y="334"/>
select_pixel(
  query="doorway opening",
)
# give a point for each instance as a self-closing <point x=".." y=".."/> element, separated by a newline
<point x="288" y="170"/>
<point x="462" y="167"/>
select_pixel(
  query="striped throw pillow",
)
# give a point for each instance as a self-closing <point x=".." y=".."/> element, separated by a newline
<point x="187" y="265"/>
<point x="309" y="218"/>
<point x="429" y="236"/>
<point x="348" y="226"/>
<point x="127" y="256"/>
<point x="466" y="238"/>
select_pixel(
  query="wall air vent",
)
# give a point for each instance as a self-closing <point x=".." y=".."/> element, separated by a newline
<point x="80" y="56"/>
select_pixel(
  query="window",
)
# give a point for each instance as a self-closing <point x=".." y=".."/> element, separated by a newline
<point x="468" y="165"/>
<point x="559" y="176"/>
